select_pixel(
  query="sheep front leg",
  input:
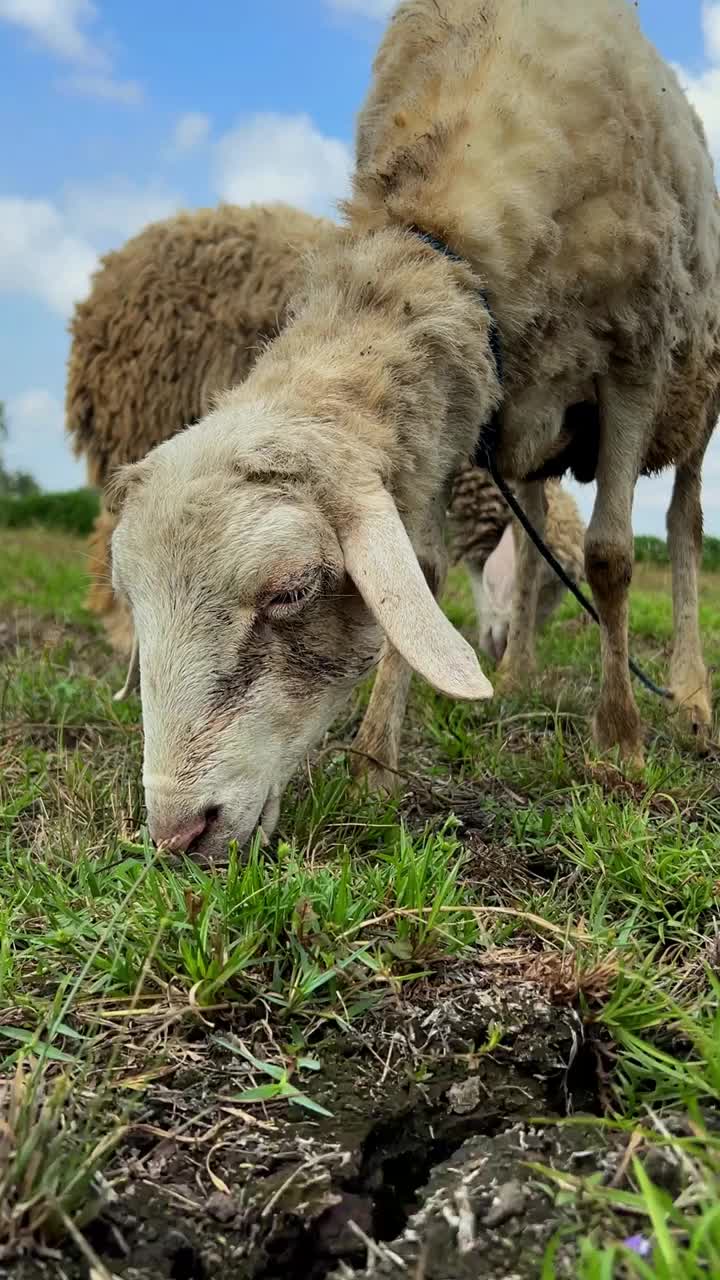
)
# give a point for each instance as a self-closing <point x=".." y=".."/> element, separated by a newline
<point x="519" y="659"/>
<point x="609" y="557"/>
<point x="377" y="742"/>
<point x="689" y="681"/>
<point x="101" y="598"/>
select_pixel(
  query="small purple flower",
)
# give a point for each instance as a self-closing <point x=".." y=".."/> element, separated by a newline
<point x="639" y="1244"/>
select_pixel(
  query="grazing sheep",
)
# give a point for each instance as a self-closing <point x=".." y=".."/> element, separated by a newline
<point x="491" y="564"/>
<point x="274" y="552"/>
<point x="181" y="311"/>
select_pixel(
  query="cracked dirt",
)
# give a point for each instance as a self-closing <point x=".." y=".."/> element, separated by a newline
<point x="441" y="1114"/>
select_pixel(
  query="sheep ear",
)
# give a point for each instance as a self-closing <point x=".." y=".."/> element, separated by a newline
<point x="121" y="482"/>
<point x="132" y="679"/>
<point x="380" y="559"/>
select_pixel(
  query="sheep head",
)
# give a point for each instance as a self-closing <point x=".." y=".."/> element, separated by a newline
<point x="264" y="581"/>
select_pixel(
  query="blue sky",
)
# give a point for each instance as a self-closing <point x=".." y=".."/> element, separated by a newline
<point x="115" y="112"/>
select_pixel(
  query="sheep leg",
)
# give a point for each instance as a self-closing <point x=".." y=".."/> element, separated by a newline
<point x="519" y="660"/>
<point x="689" y="682"/>
<point x="101" y="598"/>
<point x="609" y="556"/>
<point x="376" y="749"/>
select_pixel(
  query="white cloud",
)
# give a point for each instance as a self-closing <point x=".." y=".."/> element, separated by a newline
<point x="711" y="30"/>
<point x="61" y="27"/>
<point x="58" y="24"/>
<point x="40" y="256"/>
<point x="376" y="10"/>
<point x="48" y="250"/>
<point x="37" y="441"/>
<point x="703" y="87"/>
<point x="98" y="85"/>
<point x="191" y="130"/>
<point x="275" y="157"/>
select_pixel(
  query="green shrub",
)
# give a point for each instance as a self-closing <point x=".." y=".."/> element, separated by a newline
<point x="711" y="554"/>
<point x="73" y="512"/>
<point x="649" y="550"/>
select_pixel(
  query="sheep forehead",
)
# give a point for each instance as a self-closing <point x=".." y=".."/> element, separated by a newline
<point x="218" y="539"/>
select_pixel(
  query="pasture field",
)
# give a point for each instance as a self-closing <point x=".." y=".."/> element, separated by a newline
<point x="472" y="1030"/>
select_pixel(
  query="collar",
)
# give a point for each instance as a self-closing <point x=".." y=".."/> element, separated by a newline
<point x="485" y="447"/>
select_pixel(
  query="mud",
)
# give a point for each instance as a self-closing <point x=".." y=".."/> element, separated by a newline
<point x="423" y="1168"/>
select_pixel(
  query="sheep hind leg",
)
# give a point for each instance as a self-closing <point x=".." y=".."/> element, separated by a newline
<point x="609" y="556"/>
<point x="519" y="660"/>
<point x="689" y="682"/>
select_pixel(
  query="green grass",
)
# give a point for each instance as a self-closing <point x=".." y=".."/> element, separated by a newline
<point x="44" y="573"/>
<point x="617" y="877"/>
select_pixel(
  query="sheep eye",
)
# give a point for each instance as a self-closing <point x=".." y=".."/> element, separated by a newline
<point x="292" y="599"/>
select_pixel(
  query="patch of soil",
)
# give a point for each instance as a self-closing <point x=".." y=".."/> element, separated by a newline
<point x="485" y="1213"/>
<point x="425" y="1156"/>
<point x="81" y="646"/>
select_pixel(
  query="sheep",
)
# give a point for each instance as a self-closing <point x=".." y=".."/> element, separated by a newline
<point x="275" y="552"/>
<point x="219" y="280"/>
<point x="491" y="562"/>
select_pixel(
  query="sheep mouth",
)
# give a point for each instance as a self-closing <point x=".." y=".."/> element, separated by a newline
<point x="212" y="848"/>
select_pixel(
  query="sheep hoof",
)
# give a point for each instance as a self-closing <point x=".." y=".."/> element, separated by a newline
<point x="371" y="774"/>
<point x="511" y="678"/>
<point x="629" y="757"/>
<point x="620" y="729"/>
<point x="695" y="711"/>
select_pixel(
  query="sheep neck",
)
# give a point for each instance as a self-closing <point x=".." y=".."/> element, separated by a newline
<point x="389" y="349"/>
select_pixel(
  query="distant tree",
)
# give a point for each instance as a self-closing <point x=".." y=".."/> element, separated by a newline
<point x="13" y="484"/>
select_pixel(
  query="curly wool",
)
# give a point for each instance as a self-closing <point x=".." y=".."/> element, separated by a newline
<point x="176" y="315"/>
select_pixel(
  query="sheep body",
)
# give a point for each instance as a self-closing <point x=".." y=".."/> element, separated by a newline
<point x="606" y="248"/>
<point x="554" y="152"/>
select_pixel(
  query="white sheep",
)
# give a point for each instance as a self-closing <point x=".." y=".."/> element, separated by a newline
<point x="274" y="552"/>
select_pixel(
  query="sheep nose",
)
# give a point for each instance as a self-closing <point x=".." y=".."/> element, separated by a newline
<point x="177" y="835"/>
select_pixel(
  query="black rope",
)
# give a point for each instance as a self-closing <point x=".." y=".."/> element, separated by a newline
<point x="557" y="568"/>
<point x="485" y="457"/>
